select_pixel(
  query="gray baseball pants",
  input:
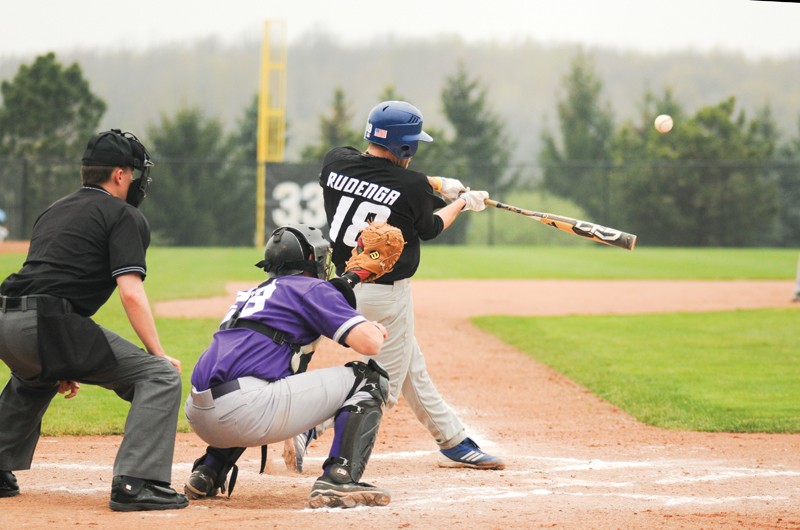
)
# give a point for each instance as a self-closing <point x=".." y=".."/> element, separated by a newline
<point x="393" y="306"/>
<point x="151" y="385"/>
<point x="263" y="412"/>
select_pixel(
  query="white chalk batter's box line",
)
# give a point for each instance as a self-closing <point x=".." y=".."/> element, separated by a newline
<point x="531" y="481"/>
<point x="707" y="471"/>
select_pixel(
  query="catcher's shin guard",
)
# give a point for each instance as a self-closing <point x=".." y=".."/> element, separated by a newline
<point x="356" y="424"/>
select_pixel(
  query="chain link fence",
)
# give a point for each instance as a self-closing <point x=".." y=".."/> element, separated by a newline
<point x="672" y="203"/>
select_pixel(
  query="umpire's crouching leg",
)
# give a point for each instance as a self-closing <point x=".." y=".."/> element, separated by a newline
<point x="153" y="387"/>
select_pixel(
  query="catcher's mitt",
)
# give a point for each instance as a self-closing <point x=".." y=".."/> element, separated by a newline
<point x="379" y="247"/>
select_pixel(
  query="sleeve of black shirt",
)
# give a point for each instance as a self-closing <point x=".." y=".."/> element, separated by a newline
<point x="426" y="203"/>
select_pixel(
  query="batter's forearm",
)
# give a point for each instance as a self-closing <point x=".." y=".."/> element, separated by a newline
<point x="449" y="213"/>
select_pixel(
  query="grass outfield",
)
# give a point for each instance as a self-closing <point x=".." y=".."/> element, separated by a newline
<point x="100" y="411"/>
<point x="603" y="262"/>
<point x="195" y="272"/>
<point x="716" y="371"/>
<point x="688" y="371"/>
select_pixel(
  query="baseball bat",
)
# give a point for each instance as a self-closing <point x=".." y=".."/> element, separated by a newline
<point x="595" y="232"/>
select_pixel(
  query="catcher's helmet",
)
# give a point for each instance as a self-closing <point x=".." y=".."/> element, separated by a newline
<point x="397" y="126"/>
<point x="295" y="249"/>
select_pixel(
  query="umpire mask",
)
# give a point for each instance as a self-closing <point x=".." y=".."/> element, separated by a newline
<point x="115" y="148"/>
<point x="138" y="190"/>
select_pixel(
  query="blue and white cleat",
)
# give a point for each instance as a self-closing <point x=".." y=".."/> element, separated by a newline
<point x="468" y="454"/>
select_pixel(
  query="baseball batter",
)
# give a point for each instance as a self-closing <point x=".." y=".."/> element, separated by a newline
<point x="377" y="185"/>
<point x="249" y="388"/>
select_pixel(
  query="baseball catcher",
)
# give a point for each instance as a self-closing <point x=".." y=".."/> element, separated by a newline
<point x="249" y="390"/>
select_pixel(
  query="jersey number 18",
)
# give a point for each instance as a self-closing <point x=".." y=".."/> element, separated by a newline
<point x="365" y="212"/>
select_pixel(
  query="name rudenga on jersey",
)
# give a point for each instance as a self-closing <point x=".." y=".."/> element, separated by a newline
<point x="367" y="190"/>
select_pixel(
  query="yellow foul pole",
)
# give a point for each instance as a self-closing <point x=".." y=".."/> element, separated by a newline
<point x="271" y="114"/>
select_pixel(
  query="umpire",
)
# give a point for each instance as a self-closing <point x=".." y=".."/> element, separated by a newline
<point x="83" y="247"/>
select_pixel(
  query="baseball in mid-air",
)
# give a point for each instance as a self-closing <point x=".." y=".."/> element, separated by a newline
<point x="663" y="123"/>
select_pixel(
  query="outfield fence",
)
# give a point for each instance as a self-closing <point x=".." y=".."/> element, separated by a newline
<point x="666" y="203"/>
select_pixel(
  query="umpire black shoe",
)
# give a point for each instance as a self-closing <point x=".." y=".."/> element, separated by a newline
<point x="130" y="494"/>
<point x="8" y="484"/>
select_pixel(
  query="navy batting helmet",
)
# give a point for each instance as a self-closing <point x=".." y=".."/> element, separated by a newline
<point x="295" y="249"/>
<point x="397" y="126"/>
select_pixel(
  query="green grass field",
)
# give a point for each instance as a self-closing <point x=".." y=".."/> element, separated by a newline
<point x="723" y="371"/>
<point x="192" y="272"/>
<point x="717" y="371"/>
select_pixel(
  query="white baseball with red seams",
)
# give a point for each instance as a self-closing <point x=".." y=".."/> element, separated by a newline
<point x="663" y="123"/>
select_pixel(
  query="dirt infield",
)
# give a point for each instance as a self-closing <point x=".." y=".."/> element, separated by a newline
<point x="8" y="247"/>
<point x="573" y="460"/>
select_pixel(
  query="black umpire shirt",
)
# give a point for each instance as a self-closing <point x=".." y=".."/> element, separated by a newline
<point x="80" y="244"/>
<point x="357" y="188"/>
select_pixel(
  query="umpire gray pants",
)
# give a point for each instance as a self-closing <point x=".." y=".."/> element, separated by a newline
<point x="151" y="385"/>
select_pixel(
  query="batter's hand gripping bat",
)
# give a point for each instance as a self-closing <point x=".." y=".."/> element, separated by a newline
<point x="602" y="234"/>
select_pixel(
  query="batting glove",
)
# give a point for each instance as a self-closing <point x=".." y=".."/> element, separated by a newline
<point x="449" y="188"/>
<point x="474" y="200"/>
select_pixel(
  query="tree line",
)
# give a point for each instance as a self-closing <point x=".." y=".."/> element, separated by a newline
<point x="720" y="178"/>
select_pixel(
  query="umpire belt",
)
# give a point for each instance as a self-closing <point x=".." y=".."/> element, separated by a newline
<point x="29" y="303"/>
<point x="13" y="303"/>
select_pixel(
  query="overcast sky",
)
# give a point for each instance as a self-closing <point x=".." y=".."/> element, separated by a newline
<point x="755" y="28"/>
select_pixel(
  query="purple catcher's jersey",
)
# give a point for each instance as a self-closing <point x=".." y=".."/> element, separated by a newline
<point x="303" y="308"/>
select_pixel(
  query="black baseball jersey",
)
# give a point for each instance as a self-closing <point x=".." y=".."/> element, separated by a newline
<point x="80" y="244"/>
<point x="359" y="188"/>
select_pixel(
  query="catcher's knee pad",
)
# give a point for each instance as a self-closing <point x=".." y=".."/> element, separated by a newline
<point x="370" y="378"/>
<point x="356" y="424"/>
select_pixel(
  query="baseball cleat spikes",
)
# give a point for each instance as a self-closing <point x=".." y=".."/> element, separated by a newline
<point x="328" y="494"/>
<point x="201" y="483"/>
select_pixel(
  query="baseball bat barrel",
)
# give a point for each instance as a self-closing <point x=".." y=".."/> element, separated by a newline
<point x="585" y="229"/>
